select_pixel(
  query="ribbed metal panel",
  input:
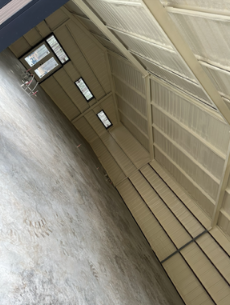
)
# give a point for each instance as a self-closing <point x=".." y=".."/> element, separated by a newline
<point x="221" y="6"/>
<point x="126" y="72"/>
<point x="165" y="57"/>
<point x="207" y="126"/>
<point x="206" y="37"/>
<point x="186" y="183"/>
<point x="186" y="164"/>
<point x="219" y="77"/>
<point x="125" y="17"/>
<point x="60" y="98"/>
<point x="178" y="81"/>
<point x="134" y="131"/>
<point x="131" y="96"/>
<point x="133" y="116"/>
<point x="137" y="154"/>
<point x="194" y="147"/>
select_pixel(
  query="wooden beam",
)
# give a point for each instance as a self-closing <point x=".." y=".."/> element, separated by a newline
<point x="222" y="187"/>
<point x="102" y="27"/>
<point x="161" y="15"/>
<point x="149" y="116"/>
<point x="112" y="86"/>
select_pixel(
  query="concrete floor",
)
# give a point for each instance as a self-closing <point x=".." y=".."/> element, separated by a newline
<point x="66" y="236"/>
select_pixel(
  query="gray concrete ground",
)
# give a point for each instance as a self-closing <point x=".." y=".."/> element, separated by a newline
<point x="66" y="236"/>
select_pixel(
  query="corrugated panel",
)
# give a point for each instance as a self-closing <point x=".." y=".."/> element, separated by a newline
<point x="195" y="147"/>
<point x="56" y="19"/>
<point x="156" y="236"/>
<point x="198" y="175"/>
<point x="144" y="141"/>
<point x="122" y="160"/>
<point x="122" y="69"/>
<point x="165" y="57"/>
<point x="219" y="77"/>
<point x="33" y="37"/>
<point x="110" y="165"/>
<point x="178" y="81"/>
<point x="186" y="282"/>
<point x="185" y="182"/>
<point x="124" y="17"/>
<point x="132" y="115"/>
<point x="20" y="47"/>
<point x="212" y="5"/>
<point x="207" y="38"/>
<point x="192" y="116"/>
<point x="60" y="98"/>
<point x="132" y="97"/>
<point x="71" y="90"/>
<point x="43" y="29"/>
<point x="93" y="54"/>
<point x="180" y="193"/>
<point x="137" y="154"/>
<point x="86" y="130"/>
<point x="108" y="45"/>
<point x="79" y="61"/>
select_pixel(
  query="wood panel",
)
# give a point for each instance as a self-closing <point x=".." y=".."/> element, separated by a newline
<point x="20" y="47"/>
<point x="71" y="89"/>
<point x="86" y="130"/>
<point x="43" y="29"/>
<point x="79" y="61"/>
<point x="137" y="154"/>
<point x="110" y="165"/>
<point x="61" y="99"/>
<point x="56" y="19"/>
<point x="33" y="37"/>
